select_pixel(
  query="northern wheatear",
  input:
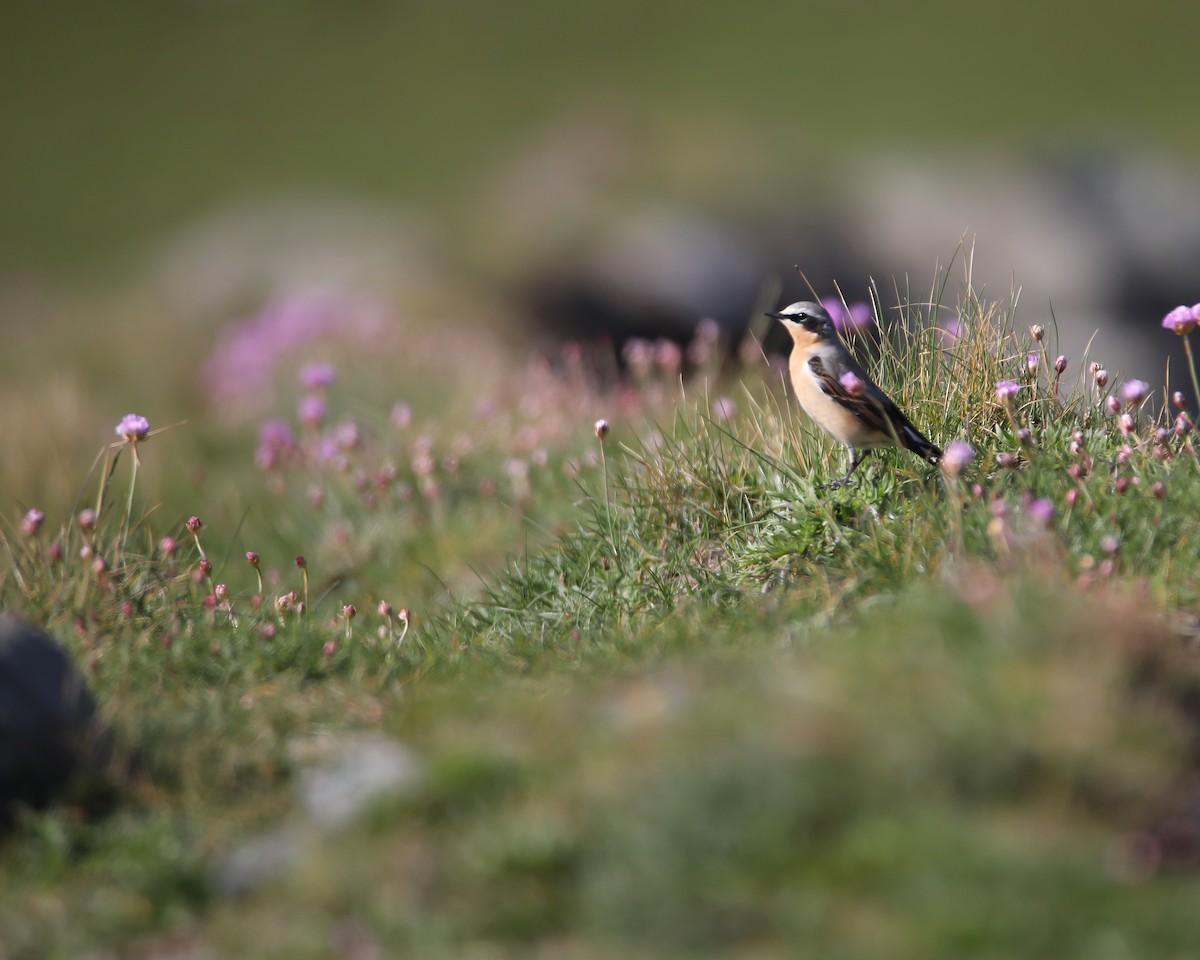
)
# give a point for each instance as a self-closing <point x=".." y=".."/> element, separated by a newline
<point x="839" y="396"/>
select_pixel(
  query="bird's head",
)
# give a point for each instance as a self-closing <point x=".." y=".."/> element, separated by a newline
<point x="807" y="322"/>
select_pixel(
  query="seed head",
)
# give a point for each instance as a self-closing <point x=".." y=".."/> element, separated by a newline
<point x="1038" y="331"/>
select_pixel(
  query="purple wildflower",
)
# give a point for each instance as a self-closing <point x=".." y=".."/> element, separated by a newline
<point x="1182" y="320"/>
<point x="248" y="353"/>
<point x="952" y="331"/>
<point x="1133" y="392"/>
<point x="275" y="442"/>
<point x="1031" y="363"/>
<point x="852" y="383"/>
<point x="857" y="315"/>
<point x="133" y="428"/>
<point x="311" y="409"/>
<point x="32" y="522"/>
<point x="956" y="456"/>
<point x="724" y="408"/>
<point x="317" y="376"/>
<point x="1007" y="390"/>
<point x="1041" y="511"/>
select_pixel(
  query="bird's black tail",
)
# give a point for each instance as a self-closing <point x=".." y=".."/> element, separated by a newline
<point x="914" y="440"/>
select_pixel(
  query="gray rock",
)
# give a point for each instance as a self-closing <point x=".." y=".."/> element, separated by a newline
<point x="353" y="773"/>
<point x="51" y="735"/>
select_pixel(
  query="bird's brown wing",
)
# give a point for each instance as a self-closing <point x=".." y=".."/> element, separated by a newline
<point x="876" y="410"/>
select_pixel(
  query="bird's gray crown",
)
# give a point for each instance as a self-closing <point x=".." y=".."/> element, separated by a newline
<point x="812" y="316"/>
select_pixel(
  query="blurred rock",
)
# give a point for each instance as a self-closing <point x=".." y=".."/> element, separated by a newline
<point x="353" y="773"/>
<point x="339" y="778"/>
<point x="1098" y="239"/>
<point x="236" y="256"/>
<point x="655" y="273"/>
<point x="51" y="735"/>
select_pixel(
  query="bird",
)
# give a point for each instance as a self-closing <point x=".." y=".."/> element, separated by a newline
<point x="839" y="396"/>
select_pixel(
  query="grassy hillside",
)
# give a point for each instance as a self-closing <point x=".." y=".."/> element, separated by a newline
<point x="667" y="695"/>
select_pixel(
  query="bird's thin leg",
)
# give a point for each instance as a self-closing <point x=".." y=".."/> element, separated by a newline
<point x="856" y="457"/>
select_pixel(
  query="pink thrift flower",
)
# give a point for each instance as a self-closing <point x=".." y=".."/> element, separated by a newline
<point x="1134" y="392"/>
<point x="317" y="376"/>
<point x="1181" y="320"/>
<point x="852" y="383"/>
<point x="32" y="522"/>
<point x="724" y="409"/>
<point x="857" y="315"/>
<point x="1060" y="364"/>
<point x="1041" y="512"/>
<point x="1031" y="363"/>
<point x="1007" y="390"/>
<point x="311" y="410"/>
<point x="133" y="428"/>
<point x="956" y="456"/>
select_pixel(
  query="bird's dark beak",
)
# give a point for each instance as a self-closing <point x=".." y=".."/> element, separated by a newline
<point x="773" y="314"/>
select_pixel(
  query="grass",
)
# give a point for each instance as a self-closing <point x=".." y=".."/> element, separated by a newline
<point x="707" y="708"/>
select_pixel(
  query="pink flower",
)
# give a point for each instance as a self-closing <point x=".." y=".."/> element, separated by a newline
<point x="133" y="428"/>
<point x="856" y="315"/>
<point x="1007" y="390"/>
<point x="32" y="522"/>
<point x="311" y="409"/>
<point x="1031" y="363"/>
<point x="852" y="383"/>
<point x="317" y="376"/>
<point x="1060" y="364"/>
<point x="1182" y="320"/>
<point x="723" y="408"/>
<point x="1041" y="512"/>
<point x="956" y="456"/>
<point x="601" y="428"/>
<point x="1134" y="392"/>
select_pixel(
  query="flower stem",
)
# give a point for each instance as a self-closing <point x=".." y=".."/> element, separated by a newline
<point x="1187" y="346"/>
